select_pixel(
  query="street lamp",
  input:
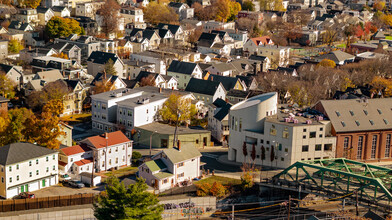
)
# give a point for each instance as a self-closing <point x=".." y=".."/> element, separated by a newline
<point x="175" y="130"/>
<point x="151" y="140"/>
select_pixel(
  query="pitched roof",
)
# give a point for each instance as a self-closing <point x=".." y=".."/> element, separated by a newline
<point x="20" y="151"/>
<point x="227" y="82"/>
<point x="2" y="99"/>
<point x="83" y="162"/>
<point x="58" y="8"/>
<point x="255" y="57"/>
<point x="175" y="4"/>
<point x="359" y="114"/>
<point x="143" y="74"/>
<point x="172" y="27"/>
<point x="337" y="56"/>
<point x="76" y="149"/>
<point x="6" y="68"/>
<point x="102" y="57"/>
<point x="223" y="112"/>
<point x="72" y="83"/>
<point x="188" y="151"/>
<point x="18" y="25"/>
<point x="41" y="9"/>
<point x="114" y="138"/>
<point x="50" y="75"/>
<point x="163" y="175"/>
<point x="182" y="67"/>
<point x="262" y="40"/>
<point x="207" y="87"/>
<point x="219" y="103"/>
<point x="156" y="165"/>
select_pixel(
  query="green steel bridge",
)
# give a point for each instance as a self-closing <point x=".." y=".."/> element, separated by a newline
<point x="340" y="178"/>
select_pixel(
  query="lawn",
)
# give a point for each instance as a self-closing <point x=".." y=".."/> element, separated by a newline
<point x="126" y="171"/>
<point x="341" y="46"/>
<point x="388" y="37"/>
<point x="223" y="180"/>
<point x="76" y="119"/>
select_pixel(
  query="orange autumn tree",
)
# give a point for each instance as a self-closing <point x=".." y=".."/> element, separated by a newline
<point x="44" y="129"/>
<point x="381" y="84"/>
<point x="327" y="63"/>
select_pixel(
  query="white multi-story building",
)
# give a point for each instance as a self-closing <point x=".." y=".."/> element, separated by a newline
<point x="218" y="120"/>
<point x="75" y="159"/>
<point x="171" y="167"/>
<point x="153" y="58"/>
<point x="111" y="150"/>
<point x="285" y="136"/>
<point x="26" y="167"/>
<point x="278" y="55"/>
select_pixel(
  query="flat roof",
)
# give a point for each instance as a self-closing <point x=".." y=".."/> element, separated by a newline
<point x="145" y="98"/>
<point x="167" y="129"/>
<point x="110" y="94"/>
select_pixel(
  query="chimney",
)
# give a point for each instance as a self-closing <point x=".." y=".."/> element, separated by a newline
<point x="106" y="135"/>
<point x="129" y="77"/>
<point x="29" y="48"/>
<point x="69" y="76"/>
<point x="212" y="78"/>
<point x="104" y="74"/>
<point x="160" y="89"/>
<point x="78" y="75"/>
<point x="179" y="145"/>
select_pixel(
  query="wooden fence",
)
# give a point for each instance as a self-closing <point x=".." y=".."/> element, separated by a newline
<point x="46" y="202"/>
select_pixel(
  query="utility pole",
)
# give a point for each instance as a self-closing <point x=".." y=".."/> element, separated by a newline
<point x="356" y="203"/>
<point x="92" y="170"/>
<point x="106" y="151"/>
<point x="175" y="129"/>
<point x="232" y="212"/>
<point x="288" y="215"/>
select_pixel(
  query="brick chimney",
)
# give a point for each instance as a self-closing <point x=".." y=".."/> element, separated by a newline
<point x="179" y="145"/>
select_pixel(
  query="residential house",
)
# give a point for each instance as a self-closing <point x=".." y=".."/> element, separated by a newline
<point x="14" y="73"/>
<point x="206" y="90"/>
<point x="256" y="125"/>
<point x="260" y="63"/>
<point x="133" y="16"/>
<point x="27" y="15"/>
<point x="75" y="159"/>
<point x="171" y="167"/>
<point x="73" y="101"/>
<point x="99" y="17"/>
<point x="228" y="82"/>
<point x="87" y="9"/>
<point x="278" y="55"/>
<point x="338" y="56"/>
<point x="97" y="60"/>
<point x="176" y="30"/>
<point x="41" y="79"/>
<point x="218" y="120"/>
<point x="3" y="104"/>
<point x="253" y="15"/>
<point x="66" y="138"/>
<point x="275" y="15"/>
<point x="182" y="9"/>
<point x="111" y="151"/>
<point x="61" y="11"/>
<point x="184" y="71"/>
<point x="251" y="45"/>
<point x="361" y="126"/>
<point x="153" y="58"/>
<point x="217" y="25"/>
<point x="72" y="51"/>
<point x="117" y="82"/>
<point x="3" y="49"/>
<point x="90" y="25"/>
<point x="167" y="38"/>
<point x="152" y="37"/>
<point x="371" y="55"/>
<point x="44" y="63"/>
<point x="30" y="38"/>
<point x="44" y="15"/>
<point x="124" y="48"/>
<point x="133" y="68"/>
<point x="235" y="96"/>
<point x="213" y="43"/>
<point x="7" y="11"/>
<point x="26" y="167"/>
<point x="50" y="3"/>
<point x="29" y="54"/>
<point x="161" y="81"/>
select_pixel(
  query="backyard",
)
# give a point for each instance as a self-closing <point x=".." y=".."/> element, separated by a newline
<point x="76" y="119"/>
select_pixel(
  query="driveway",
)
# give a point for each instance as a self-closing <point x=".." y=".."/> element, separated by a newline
<point x="65" y="190"/>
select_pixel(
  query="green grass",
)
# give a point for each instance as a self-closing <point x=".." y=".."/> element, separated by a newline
<point x="76" y="119"/>
<point x="126" y="171"/>
<point x="223" y="180"/>
<point x="341" y="45"/>
<point x="388" y="37"/>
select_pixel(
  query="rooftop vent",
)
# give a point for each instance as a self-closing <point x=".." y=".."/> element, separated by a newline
<point x="308" y="122"/>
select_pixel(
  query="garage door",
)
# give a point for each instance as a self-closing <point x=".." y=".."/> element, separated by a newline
<point x="34" y="186"/>
<point x="12" y="192"/>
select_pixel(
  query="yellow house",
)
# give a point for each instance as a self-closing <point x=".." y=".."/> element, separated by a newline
<point x="73" y="101"/>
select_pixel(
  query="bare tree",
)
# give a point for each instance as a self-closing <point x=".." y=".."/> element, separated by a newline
<point x="110" y="13"/>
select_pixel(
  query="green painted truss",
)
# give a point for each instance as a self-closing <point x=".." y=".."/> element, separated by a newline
<point x="341" y="176"/>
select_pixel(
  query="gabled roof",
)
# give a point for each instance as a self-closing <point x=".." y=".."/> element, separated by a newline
<point x="76" y="149"/>
<point x="182" y="67"/>
<point x="50" y="75"/>
<point x="100" y="76"/>
<point x="83" y="162"/>
<point x="207" y="87"/>
<point x="102" y="57"/>
<point x="175" y="4"/>
<point x="172" y="27"/>
<point x="219" y="103"/>
<point x="43" y="10"/>
<point x="188" y="151"/>
<point x="337" y="56"/>
<point x="259" y="58"/>
<point x="18" y="25"/>
<point x="6" y="68"/>
<point x="143" y="74"/>
<point x="20" y="151"/>
<point x="223" y="112"/>
<point x="246" y="79"/>
<point x="156" y="165"/>
<point x="72" y="83"/>
<point x="227" y="82"/>
<point x="59" y="8"/>
<point x="99" y="141"/>
<point x="262" y="40"/>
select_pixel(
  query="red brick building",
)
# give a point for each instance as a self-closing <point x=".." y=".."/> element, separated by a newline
<point x="363" y="127"/>
<point x="3" y="104"/>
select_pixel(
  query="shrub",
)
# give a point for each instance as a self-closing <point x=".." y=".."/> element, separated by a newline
<point x="136" y="156"/>
<point x="203" y="189"/>
<point x="246" y="180"/>
<point x="217" y="190"/>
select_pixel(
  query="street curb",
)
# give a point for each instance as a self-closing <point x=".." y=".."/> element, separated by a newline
<point x="222" y="159"/>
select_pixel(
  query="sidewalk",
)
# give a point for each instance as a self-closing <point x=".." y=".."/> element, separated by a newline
<point x="224" y="160"/>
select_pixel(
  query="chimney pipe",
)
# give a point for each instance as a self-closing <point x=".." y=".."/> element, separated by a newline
<point x="179" y="145"/>
<point x="129" y="77"/>
<point x="69" y="76"/>
<point x="78" y="75"/>
<point x="160" y="89"/>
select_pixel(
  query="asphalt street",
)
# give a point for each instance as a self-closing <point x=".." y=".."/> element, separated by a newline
<point x="212" y="163"/>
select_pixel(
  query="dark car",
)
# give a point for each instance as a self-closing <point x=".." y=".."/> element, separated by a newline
<point x="75" y="184"/>
<point x="25" y="195"/>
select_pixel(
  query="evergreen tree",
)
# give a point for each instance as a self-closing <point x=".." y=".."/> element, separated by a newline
<point x="132" y="202"/>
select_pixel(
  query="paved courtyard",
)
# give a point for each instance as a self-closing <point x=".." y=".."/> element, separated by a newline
<point x="65" y="190"/>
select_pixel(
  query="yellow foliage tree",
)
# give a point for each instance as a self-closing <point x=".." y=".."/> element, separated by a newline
<point x="61" y="55"/>
<point x="177" y="106"/>
<point x="7" y="87"/>
<point x="327" y="63"/>
<point x="379" y="5"/>
<point x="383" y="85"/>
<point x="156" y="13"/>
<point x="226" y="10"/>
<point x="346" y="83"/>
<point x="387" y="19"/>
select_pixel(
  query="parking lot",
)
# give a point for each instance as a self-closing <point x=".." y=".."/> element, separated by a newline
<point x="59" y="190"/>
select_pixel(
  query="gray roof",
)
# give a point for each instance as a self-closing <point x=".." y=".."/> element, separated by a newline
<point x="146" y="97"/>
<point x="19" y="152"/>
<point x="206" y="87"/>
<point x="167" y="129"/>
<point x="187" y="152"/>
<point x="337" y="56"/>
<point x="359" y="115"/>
<point x="182" y="67"/>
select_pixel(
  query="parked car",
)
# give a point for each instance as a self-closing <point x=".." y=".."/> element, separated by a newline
<point x="64" y="178"/>
<point x="76" y="184"/>
<point x="25" y="195"/>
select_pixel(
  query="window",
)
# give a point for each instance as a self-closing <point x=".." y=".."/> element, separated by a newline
<point x="116" y="160"/>
<point x="321" y="129"/>
<point x="261" y="141"/>
<point x="357" y="122"/>
<point x="318" y="147"/>
<point x="36" y="161"/>
<point x="379" y="111"/>
<point x="129" y="113"/>
<point x="104" y="106"/>
<point x="47" y="159"/>
<point x="312" y="134"/>
<point x="305" y="148"/>
<point x="54" y="157"/>
<point x="304" y="137"/>
<point x="273" y="131"/>
<point x="180" y="175"/>
<point x="320" y="135"/>
<point x="116" y="149"/>
<point x="388" y="145"/>
<point x="374" y="146"/>
<point x="327" y="147"/>
<point x="110" y="150"/>
<point x="343" y="124"/>
<point x="285" y="134"/>
<point x="17" y="166"/>
<point x="345" y="144"/>
<point x="241" y="125"/>
<point x="37" y="172"/>
<point x="371" y="122"/>
<point x="47" y="169"/>
<point x="280" y="146"/>
<point x="54" y="167"/>
<point x="180" y="164"/>
<point x="2" y="179"/>
<point x="365" y="111"/>
<point x="351" y="113"/>
<point x="164" y="181"/>
<point x="10" y="168"/>
<point x="30" y="174"/>
<point x="10" y="179"/>
<point x="304" y="130"/>
<point x="386" y="121"/>
<point x="360" y="147"/>
<point x="337" y="113"/>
